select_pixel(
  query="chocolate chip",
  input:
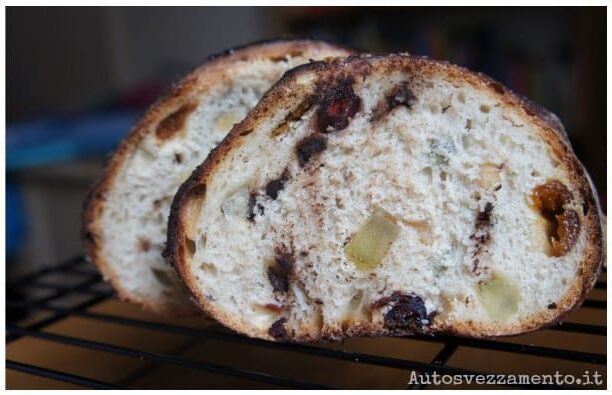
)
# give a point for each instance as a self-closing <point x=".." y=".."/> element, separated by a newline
<point x="552" y="306"/>
<point x="254" y="208"/>
<point x="278" y="330"/>
<point x="278" y="280"/>
<point x="310" y="146"/>
<point x="285" y="261"/>
<point x="483" y="218"/>
<point x="277" y="185"/>
<point x="338" y="105"/>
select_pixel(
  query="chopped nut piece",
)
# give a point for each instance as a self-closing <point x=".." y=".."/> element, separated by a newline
<point x="499" y="297"/>
<point x="372" y="241"/>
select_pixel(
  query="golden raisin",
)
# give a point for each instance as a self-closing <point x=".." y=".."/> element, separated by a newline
<point x="551" y="196"/>
<point x="562" y="224"/>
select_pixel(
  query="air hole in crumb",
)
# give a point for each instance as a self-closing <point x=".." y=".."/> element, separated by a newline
<point x="468" y="124"/>
<point x="339" y="203"/>
<point x="174" y="122"/>
<point x="203" y="240"/>
<point x="191" y="246"/>
<point x="461" y="97"/>
<point x="162" y="276"/>
<point x="535" y="173"/>
<point x="484" y="108"/>
<point x="178" y="158"/>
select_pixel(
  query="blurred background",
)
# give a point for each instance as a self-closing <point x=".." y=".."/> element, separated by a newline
<point x="78" y="78"/>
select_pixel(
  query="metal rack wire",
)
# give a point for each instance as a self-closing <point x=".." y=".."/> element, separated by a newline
<point x="91" y="291"/>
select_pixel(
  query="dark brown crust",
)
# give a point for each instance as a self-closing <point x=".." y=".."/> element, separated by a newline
<point x="180" y="94"/>
<point x="549" y="128"/>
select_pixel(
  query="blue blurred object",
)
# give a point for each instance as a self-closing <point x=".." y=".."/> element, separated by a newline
<point x="15" y="219"/>
<point x="51" y="140"/>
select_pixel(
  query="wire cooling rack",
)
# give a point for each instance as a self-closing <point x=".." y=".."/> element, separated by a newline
<point x="51" y="298"/>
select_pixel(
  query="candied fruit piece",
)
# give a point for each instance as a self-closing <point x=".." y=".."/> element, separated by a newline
<point x="372" y="241"/>
<point x="499" y="297"/>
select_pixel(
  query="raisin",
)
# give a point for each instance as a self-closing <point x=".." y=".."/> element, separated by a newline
<point x="407" y="312"/>
<point x="338" y="105"/>
<point x="310" y="147"/>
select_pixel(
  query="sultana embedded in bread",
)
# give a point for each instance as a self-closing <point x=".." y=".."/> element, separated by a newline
<point x="408" y="196"/>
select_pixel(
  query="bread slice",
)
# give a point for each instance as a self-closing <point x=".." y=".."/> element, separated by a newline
<point x="125" y="216"/>
<point x="388" y="195"/>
